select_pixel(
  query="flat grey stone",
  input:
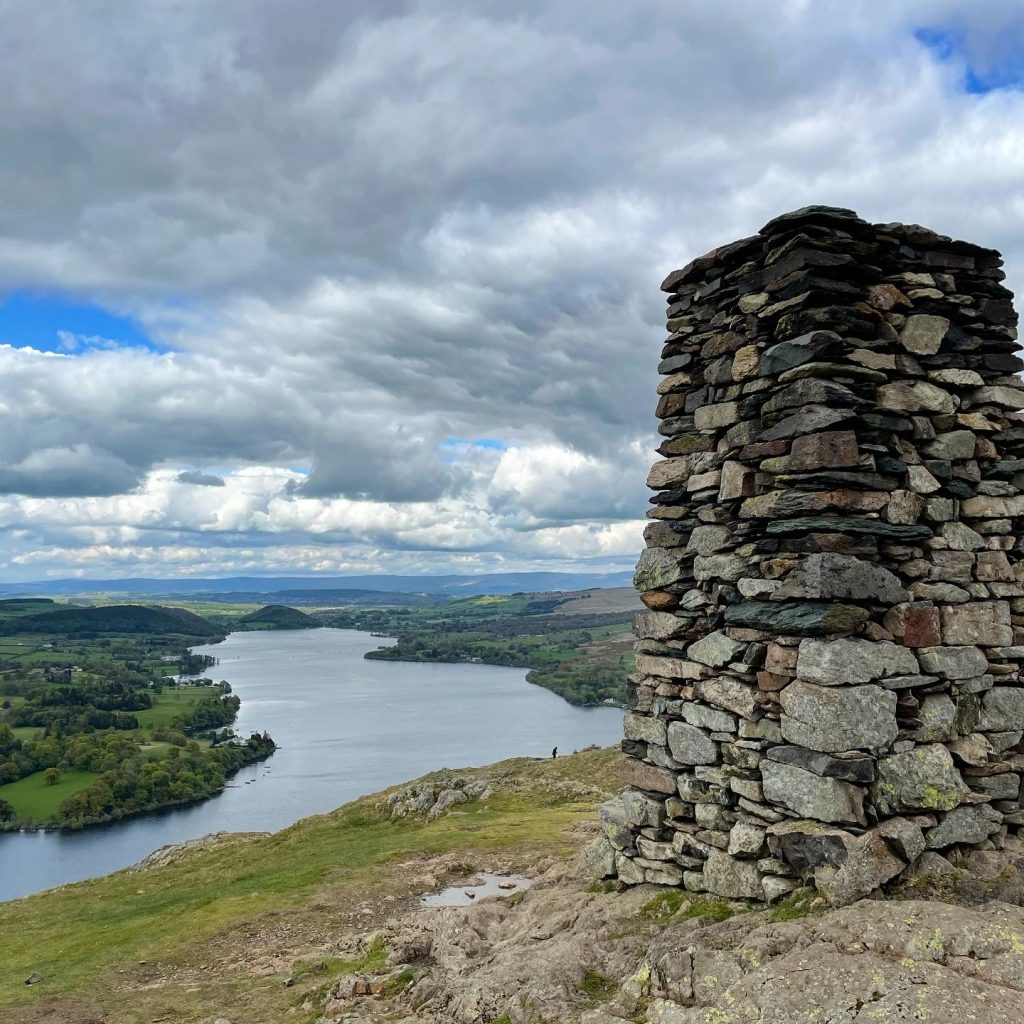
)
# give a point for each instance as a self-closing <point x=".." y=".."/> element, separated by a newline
<point x="955" y="444"/>
<point x="729" y="694"/>
<point x="658" y="567"/>
<point x="832" y="719"/>
<point x="922" y="334"/>
<point x="905" y="838"/>
<point x="808" y="420"/>
<point x="784" y="356"/>
<point x="953" y="662"/>
<point x="830" y="576"/>
<point x="715" y="650"/>
<point x="746" y="840"/>
<point x="810" y="795"/>
<point x="938" y="719"/>
<point x="645" y="728"/>
<point x="642" y="810"/>
<point x="708" y="540"/>
<point x="709" y="718"/>
<point x="732" y="878"/>
<point x="805" y="618"/>
<point x="691" y="745"/>
<point x="1002" y="709"/>
<point x="658" y="625"/>
<point x="964" y="825"/>
<point x="836" y="662"/>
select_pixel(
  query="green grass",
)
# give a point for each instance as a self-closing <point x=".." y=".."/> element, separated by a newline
<point x="799" y="903"/>
<point x="35" y="801"/>
<point x="597" y="987"/>
<point x="375" y="958"/>
<point x="678" y="905"/>
<point x="171" y="703"/>
<point x="83" y="937"/>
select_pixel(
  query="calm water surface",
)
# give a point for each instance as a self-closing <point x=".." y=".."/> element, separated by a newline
<point x="344" y="726"/>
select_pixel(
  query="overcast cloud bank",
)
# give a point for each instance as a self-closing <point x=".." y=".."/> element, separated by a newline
<point x="399" y="261"/>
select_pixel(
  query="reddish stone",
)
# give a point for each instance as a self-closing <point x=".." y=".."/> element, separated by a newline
<point x="744" y="635"/>
<point x="985" y="449"/>
<point x="762" y="450"/>
<point x="721" y="344"/>
<point x="671" y="405"/>
<point x="887" y="296"/>
<point x="647" y="776"/>
<point x="873" y="631"/>
<point x="917" y="623"/>
<point x="771" y="683"/>
<point x="659" y="599"/>
<point x="737" y="481"/>
<point x="824" y="451"/>
<point x="994" y="567"/>
<point x="780" y="659"/>
<point x="922" y="628"/>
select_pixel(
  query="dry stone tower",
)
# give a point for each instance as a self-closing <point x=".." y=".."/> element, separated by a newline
<point x="828" y="680"/>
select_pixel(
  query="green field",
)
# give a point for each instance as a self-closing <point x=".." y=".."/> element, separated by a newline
<point x="171" y="703"/>
<point x="34" y="800"/>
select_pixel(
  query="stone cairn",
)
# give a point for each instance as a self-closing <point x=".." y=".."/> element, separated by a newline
<point x="828" y="680"/>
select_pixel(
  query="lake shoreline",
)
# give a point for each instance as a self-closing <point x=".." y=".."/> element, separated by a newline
<point x="347" y="726"/>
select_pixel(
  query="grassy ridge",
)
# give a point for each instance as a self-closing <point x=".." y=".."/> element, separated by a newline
<point x="85" y="938"/>
<point x="120" y="619"/>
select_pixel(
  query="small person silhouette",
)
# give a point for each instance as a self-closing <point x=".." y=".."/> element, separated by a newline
<point x="554" y="754"/>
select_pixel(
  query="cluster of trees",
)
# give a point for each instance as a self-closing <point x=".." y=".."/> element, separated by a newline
<point x="137" y="785"/>
<point x="190" y="664"/>
<point x="91" y="752"/>
<point x="209" y="714"/>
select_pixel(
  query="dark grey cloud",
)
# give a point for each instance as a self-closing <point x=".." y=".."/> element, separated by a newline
<point x="198" y="479"/>
<point x="74" y="470"/>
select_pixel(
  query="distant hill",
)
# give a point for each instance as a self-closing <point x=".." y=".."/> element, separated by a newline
<point x="457" y="586"/>
<point x="25" y="605"/>
<point x="127" y="618"/>
<point x="588" y="602"/>
<point x="277" y="616"/>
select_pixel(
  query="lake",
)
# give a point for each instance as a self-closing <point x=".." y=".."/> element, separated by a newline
<point x="344" y="727"/>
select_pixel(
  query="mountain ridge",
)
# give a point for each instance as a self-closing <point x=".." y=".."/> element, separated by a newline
<point x="487" y="583"/>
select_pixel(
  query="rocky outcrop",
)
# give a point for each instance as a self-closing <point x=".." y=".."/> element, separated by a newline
<point x="833" y="572"/>
<point x="179" y="851"/>
<point x="436" y="796"/>
<point x="563" y="953"/>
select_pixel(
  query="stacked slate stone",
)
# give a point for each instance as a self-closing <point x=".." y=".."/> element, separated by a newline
<point x="828" y="680"/>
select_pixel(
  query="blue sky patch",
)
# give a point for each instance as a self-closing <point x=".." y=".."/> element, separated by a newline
<point x="52" y="323"/>
<point x="1002" y="70"/>
<point x="491" y="443"/>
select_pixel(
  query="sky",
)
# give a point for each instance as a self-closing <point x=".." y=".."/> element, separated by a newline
<point x="309" y="287"/>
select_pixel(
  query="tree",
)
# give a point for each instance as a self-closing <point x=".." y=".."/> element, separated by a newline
<point x="51" y="776"/>
<point x="7" y="812"/>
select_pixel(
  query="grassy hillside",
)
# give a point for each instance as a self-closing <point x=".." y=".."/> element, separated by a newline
<point x="277" y="616"/>
<point x="113" y="619"/>
<point x="180" y="943"/>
